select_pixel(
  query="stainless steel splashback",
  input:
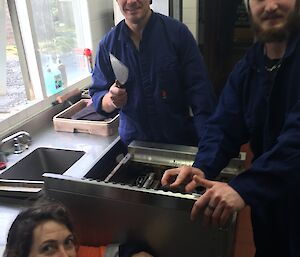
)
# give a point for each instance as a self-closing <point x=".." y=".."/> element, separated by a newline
<point x="109" y="206"/>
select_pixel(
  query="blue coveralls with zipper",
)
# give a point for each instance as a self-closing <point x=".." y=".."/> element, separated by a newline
<point x="264" y="109"/>
<point x="167" y="77"/>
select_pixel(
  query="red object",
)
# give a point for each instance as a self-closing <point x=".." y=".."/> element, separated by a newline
<point x="164" y="94"/>
<point x="90" y="251"/>
<point x="2" y="165"/>
<point x="2" y="161"/>
<point x="88" y="53"/>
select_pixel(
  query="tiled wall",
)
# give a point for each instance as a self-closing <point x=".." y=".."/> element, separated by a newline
<point x="101" y="19"/>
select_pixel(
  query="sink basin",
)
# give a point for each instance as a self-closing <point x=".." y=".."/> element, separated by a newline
<point x="42" y="160"/>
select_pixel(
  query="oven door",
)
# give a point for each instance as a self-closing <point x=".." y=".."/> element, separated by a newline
<point x="108" y="207"/>
<point x="104" y="214"/>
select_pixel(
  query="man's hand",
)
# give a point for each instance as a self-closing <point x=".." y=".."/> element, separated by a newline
<point x="181" y="176"/>
<point x="115" y="98"/>
<point x="219" y="200"/>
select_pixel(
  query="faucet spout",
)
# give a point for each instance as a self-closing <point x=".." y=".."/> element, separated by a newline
<point x="20" y="140"/>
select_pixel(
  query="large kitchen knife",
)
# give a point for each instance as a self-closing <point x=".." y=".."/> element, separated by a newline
<point x="120" y="69"/>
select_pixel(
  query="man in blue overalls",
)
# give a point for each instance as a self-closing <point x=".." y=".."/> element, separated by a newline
<point x="260" y="104"/>
<point x="167" y="78"/>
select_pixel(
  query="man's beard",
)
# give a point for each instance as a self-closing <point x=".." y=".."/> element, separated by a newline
<point x="277" y="34"/>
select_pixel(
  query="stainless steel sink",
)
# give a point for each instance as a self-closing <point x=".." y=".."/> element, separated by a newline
<point x="26" y="174"/>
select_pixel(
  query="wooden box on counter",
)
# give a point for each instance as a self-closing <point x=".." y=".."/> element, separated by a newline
<point x="63" y="122"/>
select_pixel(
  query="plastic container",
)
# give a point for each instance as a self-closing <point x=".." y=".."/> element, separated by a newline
<point x="53" y="79"/>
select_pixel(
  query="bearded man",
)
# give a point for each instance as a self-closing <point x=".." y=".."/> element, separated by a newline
<point x="260" y="104"/>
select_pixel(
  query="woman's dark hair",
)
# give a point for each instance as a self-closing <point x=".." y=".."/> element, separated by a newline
<point x="20" y="235"/>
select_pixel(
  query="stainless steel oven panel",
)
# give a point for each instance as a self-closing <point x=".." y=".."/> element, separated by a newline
<point x="108" y="207"/>
<point x="107" y="213"/>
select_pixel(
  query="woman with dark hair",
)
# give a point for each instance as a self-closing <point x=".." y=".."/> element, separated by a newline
<point x="45" y="230"/>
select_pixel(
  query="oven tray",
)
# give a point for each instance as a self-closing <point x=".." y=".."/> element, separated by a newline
<point x="20" y="188"/>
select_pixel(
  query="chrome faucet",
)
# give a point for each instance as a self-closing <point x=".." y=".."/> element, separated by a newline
<point x="16" y="143"/>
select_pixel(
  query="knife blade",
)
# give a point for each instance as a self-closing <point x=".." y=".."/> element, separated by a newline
<point x="120" y="69"/>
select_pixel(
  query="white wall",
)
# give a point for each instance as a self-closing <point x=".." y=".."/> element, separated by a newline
<point x="190" y="15"/>
<point x="101" y="19"/>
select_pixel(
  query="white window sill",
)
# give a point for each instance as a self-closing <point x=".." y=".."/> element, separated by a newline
<point x="21" y="114"/>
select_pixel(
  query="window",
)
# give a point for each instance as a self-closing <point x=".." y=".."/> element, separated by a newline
<point x="41" y="55"/>
<point x="12" y="89"/>
<point x="60" y="39"/>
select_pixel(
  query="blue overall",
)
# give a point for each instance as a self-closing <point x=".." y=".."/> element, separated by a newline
<point x="167" y="76"/>
<point x="265" y="112"/>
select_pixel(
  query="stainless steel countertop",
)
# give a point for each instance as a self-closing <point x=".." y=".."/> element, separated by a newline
<point x="43" y="134"/>
<point x="9" y="209"/>
<point x="92" y="145"/>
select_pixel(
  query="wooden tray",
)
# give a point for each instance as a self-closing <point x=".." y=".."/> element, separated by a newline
<point x="63" y="122"/>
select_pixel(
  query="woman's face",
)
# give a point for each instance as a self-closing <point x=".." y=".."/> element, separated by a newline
<point x="52" y="239"/>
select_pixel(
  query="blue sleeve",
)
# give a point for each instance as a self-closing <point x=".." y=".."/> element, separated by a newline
<point x="198" y="89"/>
<point x="102" y="77"/>
<point x="225" y="130"/>
<point x="277" y="171"/>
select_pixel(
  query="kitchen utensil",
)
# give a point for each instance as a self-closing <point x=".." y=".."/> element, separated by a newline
<point x="120" y="69"/>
